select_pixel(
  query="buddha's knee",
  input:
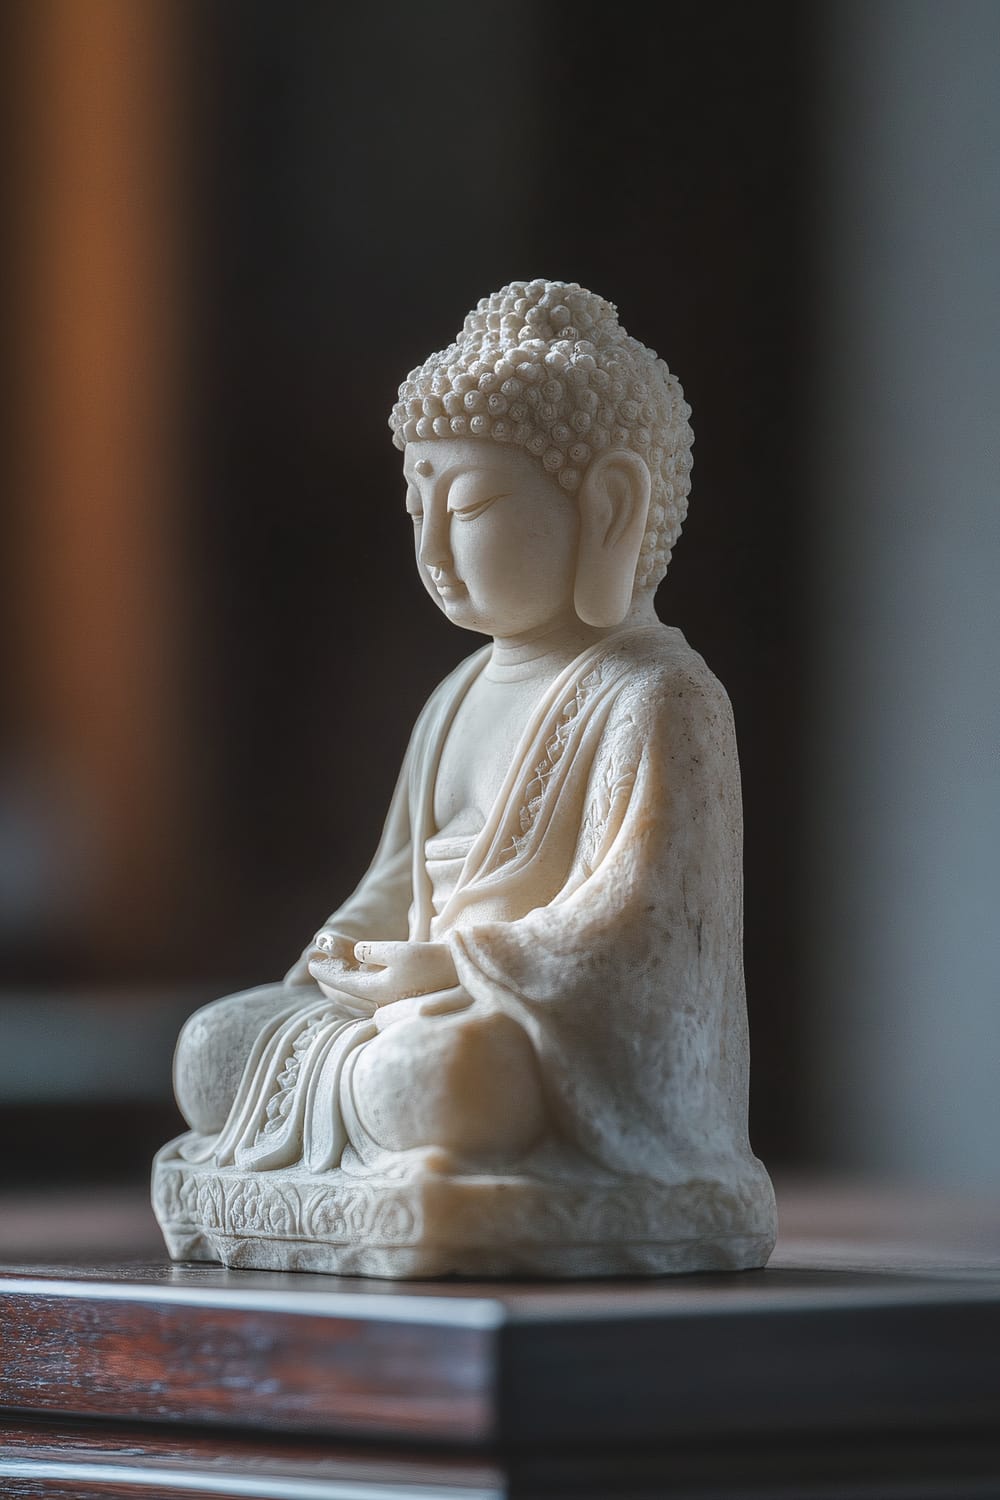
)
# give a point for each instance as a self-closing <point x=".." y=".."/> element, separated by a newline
<point x="212" y="1049"/>
<point x="464" y="1082"/>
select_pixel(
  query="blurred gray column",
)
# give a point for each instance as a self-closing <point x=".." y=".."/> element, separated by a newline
<point x="904" y="850"/>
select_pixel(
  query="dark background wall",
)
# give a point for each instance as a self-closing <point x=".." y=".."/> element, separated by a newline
<point x="347" y="182"/>
<point x="369" y="173"/>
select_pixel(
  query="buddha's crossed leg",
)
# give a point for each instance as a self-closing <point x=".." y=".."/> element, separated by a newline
<point x="466" y="1081"/>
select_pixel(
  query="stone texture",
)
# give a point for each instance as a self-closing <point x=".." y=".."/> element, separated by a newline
<point x="520" y="1046"/>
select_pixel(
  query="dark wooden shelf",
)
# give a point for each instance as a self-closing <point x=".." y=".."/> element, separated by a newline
<point x="866" y="1347"/>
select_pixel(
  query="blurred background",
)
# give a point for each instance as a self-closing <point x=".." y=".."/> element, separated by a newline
<point x="232" y="228"/>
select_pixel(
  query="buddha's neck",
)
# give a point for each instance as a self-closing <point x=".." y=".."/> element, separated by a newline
<point x="545" y="651"/>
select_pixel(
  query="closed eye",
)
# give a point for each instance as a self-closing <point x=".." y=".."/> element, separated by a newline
<point x="470" y="512"/>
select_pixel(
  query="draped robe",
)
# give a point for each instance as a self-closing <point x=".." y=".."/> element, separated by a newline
<point x="600" y="908"/>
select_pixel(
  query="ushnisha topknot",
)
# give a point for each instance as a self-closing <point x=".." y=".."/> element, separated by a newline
<point x="548" y="366"/>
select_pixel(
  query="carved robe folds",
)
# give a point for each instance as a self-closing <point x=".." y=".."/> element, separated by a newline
<point x="597" y="925"/>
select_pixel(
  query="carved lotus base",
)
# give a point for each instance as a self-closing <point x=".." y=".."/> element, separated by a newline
<point x="429" y="1223"/>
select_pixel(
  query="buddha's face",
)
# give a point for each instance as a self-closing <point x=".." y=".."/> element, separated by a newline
<point x="495" y="537"/>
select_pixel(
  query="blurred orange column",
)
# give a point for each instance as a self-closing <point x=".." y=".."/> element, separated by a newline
<point x="101" y="244"/>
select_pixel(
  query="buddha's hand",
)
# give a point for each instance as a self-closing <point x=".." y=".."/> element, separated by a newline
<point x="382" y="973"/>
<point x="327" y="943"/>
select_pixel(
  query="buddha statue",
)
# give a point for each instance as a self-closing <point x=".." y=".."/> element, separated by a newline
<point x="520" y="1046"/>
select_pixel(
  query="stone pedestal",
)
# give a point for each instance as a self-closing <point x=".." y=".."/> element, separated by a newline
<point x="431" y="1223"/>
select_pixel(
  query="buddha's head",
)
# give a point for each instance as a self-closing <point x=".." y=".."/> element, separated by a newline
<point x="548" y="459"/>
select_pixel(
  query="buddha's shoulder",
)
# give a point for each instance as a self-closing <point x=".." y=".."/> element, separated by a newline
<point x="452" y="685"/>
<point x="659" y="664"/>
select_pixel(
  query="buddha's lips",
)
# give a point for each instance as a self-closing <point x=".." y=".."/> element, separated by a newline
<point x="449" y="586"/>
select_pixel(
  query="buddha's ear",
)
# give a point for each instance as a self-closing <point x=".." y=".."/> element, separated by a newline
<point x="614" y="502"/>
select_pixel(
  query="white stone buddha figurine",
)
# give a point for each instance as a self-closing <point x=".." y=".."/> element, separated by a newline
<point x="520" y="1046"/>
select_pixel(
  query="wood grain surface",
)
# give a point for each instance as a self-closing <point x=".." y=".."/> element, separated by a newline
<point x="863" y="1362"/>
<point x="83" y="1461"/>
<point x="788" y="1350"/>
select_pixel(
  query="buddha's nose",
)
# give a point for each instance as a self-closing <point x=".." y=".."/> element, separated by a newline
<point x="435" y="553"/>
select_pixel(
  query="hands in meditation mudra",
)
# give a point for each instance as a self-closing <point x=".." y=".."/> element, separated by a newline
<point x="520" y="1046"/>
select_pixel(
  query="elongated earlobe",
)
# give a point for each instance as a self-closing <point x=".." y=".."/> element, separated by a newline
<point x="614" y="504"/>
